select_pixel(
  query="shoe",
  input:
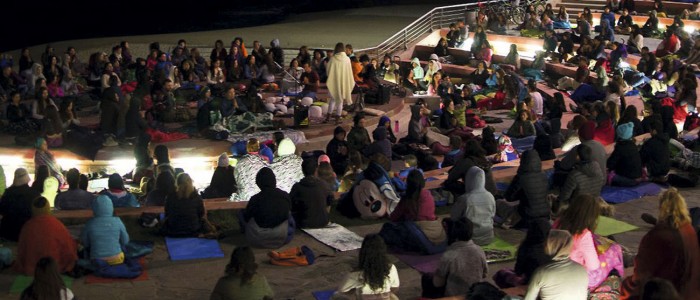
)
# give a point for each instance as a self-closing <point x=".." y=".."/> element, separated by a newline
<point x="648" y="218"/>
<point x="110" y="142"/>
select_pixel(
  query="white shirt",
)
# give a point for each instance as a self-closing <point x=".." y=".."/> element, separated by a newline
<point x="538" y="103"/>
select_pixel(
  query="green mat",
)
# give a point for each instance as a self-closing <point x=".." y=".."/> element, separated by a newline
<point x="609" y="226"/>
<point x="499" y="251"/>
<point x="22" y="282"/>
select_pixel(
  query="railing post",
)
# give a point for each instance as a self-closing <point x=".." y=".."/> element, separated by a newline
<point x="405" y="39"/>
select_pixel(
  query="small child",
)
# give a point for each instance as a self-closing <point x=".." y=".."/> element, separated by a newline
<point x="399" y="180"/>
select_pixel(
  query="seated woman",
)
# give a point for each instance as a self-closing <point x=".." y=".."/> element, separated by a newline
<point x="413" y="226"/>
<point x="480" y="75"/>
<point x="651" y="26"/>
<point x="164" y="186"/>
<point x="15" y="205"/>
<point x="104" y="236"/>
<point x="668" y="251"/>
<point x="185" y="215"/>
<point x="522" y="127"/>
<point x="531" y="255"/>
<point x="44" y="235"/>
<point x="266" y="219"/>
<point x="561" y="20"/>
<point x="223" y="181"/>
<point x="119" y="195"/>
<point x="47" y="283"/>
<point x="476" y="204"/>
<point x="463" y="264"/>
<point x="624" y="164"/>
<point x="604" y="132"/>
<point x="376" y="277"/>
<point x="241" y="279"/>
<point x="455" y="152"/>
<point x="441" y="49"/>
<point x="415" y="76"/>
<point x="486" y="53"/>
<point x="488" y="141"/>
<point x="512" y="60"/>
<point x="526" y="194"/>
<point x="592" y="92"/>
<point x="580" y="219"/>
<point x="563" y="277"/>
<point x="42" y="157"/>
<point x="19" y="117"/>
<point x="669" y="45"/>
<point x="478" y="40"/>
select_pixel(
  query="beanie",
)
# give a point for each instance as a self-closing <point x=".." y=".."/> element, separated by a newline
<point x="587" y="130"/>
<point x="223" y="160"/>
<point x="21" y="177"/>
<point x="625" y="131"/>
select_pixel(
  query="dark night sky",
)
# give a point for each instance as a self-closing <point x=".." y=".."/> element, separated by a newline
<point x="22" y="25"/>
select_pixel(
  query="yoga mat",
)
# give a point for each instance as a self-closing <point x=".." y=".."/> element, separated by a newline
<point x="502" y="186"/>
<point x="21" y="282"/>
<point x="323" y="295"/>
<point x="609" y="226"/>
<point x="499" y="251"/>
<point x="425" y="264"/>
<point x="336" y="237"/>
<point x="192" y="248"/>
<point x="614" y="194"/>
<point x="90" y="279"/>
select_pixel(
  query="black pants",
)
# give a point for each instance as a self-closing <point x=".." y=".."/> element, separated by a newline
<point x="430" y="290"/>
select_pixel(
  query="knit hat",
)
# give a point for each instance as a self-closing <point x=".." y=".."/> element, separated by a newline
<point x="587" y="130"/>
<point x="434" y="57"/>
<point x="38" y="142"/>
<point x="415" y="60"/>
<point x="324" y="158"/>
<point x="40" y="206"/>
<point x="383" y="120"/>
<point x="21" y="177"/>
<point x="223" y="160"/>
<point x="625" y="131"/>
<point x="286" y="147"/>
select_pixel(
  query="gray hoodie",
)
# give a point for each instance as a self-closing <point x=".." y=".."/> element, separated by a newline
<point x="477" y="205"/>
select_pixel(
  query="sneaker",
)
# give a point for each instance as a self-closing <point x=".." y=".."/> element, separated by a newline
<point x="648" y="218"/>
<point x="110" y="142"/>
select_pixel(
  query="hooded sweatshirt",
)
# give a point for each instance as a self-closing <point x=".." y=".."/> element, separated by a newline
<point x="310" y="198"/>
<point x="270" y="207"/>
<point x="625" y="160"/>
<point x="586" y="134"/>
<point x="529" y="186"/>
<point x="656" y="156"/>
<point x="477" y="205"/>
<point x="104" y="234"/>
<point x="183" y="216"/>
<point x="586" y="178"/>
<point x="340" y="78"/>
<point x="16" y="209"/>
<point x="380" y="145"/>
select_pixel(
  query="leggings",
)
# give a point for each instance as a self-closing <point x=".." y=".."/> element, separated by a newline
<point x="336" y="104"/>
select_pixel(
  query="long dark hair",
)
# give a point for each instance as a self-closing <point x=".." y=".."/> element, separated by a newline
<point x="242" y="264"/>
<point x="373" y="261"/>
<point x="47" y="283"/>
<point x="42" y="172"/>
<point x="581" y="214"/>
<point x="414" y="186"/>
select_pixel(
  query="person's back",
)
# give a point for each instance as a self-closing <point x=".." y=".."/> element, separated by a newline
<point x="530" y="187"/>
<point x="477" y="205"/>
<point x="463" y="264"/>
<point x="183" y="215"/>
<point x="310" y="198"/>
<point x="358" y="139"/>
<point x="15" y="209"/>
<point x="655" y="154"/>
<point x="229" y="287"/>
<point x="270" y="207"/>
<point x="585" y="178"/>
<point x="104" y="235"/>
<point x="625" y="160"/>
<point x="121" y="198"/>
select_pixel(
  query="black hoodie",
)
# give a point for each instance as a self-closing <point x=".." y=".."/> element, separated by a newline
<point x="529" y="186"/>
<point x="531" y="253"/>
<point x="270" y="207"/>
<point x="656" y="156"/>
<point x="310" y="200"/>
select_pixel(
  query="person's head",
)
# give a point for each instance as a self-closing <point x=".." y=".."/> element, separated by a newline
<point x="659" y="289"/>
<point x="558" y="245"/>
<point x="168" y="84"/>
<point x="414" y="186"/>
<point x="582" y="214"/>
<point x="161" y="154"/>
<point x="42" y="172"/>
<point x="656" y="127"/>
<point x="230" y="93"/>
<point x="40" y="144"/>
<point x="410" y="160"/>
<point x="472" y="148"/>
<point x="325" y="172"/>
<point x="359" y="120"/>
<point x="185" y="186"/>
<point x="309" y="166"/>
<point x="115" y="182"/>
<point x="165" y="182"/>
<point x="307" y="67"/>
<point x="586" y="131"/>
<point x="265" y="179"/>
<point x="73" y="178"/>
<point x="460" y="230"/>
<point x="625" y="131"/>
<point x="242" y="264"/>
<point x="15" y="97"/>
<point x="373" y="261"/>
<point x="524" y="115"/>
<point x="252" y="146"/>
<point x="348" y="49"/>
<point x="673" y="211"/>
<point x="47" y="283"/>
<point x="455" y="142"/>
<point x="83" y="183"/>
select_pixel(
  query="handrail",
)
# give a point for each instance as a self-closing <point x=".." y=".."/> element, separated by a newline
<point x="436" y="18"/>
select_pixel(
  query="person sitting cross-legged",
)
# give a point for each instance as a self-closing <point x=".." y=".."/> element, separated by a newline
<point x="266" y="220"/>
<point x="310" y="198"/>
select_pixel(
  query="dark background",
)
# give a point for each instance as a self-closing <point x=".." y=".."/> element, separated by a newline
<point x="28" y="23"/>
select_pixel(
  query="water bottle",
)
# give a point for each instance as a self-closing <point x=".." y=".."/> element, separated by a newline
<point x="396" y="126"/>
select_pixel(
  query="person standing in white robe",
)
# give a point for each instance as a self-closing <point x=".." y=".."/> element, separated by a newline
<point x="340" y="81"/>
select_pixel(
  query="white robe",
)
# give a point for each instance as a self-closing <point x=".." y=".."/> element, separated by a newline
<point x="340" y="80"/>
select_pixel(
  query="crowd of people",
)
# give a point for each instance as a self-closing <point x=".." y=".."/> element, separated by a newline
<point x="561" y="255"/>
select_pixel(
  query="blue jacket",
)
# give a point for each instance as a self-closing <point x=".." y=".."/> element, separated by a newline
<point x="104" y="234"/>
<point x="125" y="200"/>
<point x="609" y="16"/>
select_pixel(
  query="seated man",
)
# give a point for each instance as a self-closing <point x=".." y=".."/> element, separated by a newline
<point x="624" y="23"/>
<point x="119" y="195"/>
<point x="311" y="81"/>
<point x="585" y="178"/>
<point x="655" y="154"/>
<point x="229" y="104"/>
<point x="311" y="199"/>
<point x="74" y="197"/>
<point x="266" y="220"/>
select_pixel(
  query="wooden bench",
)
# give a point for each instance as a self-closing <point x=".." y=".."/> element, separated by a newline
<point x="209" y="204"/>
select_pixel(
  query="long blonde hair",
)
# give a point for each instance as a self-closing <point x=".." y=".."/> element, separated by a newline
<point x="672" y="209"/>
<point x="558" y="245"/>
<point x="185" y="187"/>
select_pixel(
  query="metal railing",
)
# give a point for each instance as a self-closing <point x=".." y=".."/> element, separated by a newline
<point x="439" y="17"/>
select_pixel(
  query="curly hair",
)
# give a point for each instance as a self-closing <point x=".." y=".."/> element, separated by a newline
<point x="373" y="261"/>
<point x="581" y="214"/>
<point x="673" y="210"/>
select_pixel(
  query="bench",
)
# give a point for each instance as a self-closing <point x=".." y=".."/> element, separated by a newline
<point x="209" y="204"/>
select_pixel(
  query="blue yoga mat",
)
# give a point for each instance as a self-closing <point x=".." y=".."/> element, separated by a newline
<point x="502" y="186"/>
<point x="192" y="248"/>
<point x="614" y="194"/>
<point x="323" y="295"/>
